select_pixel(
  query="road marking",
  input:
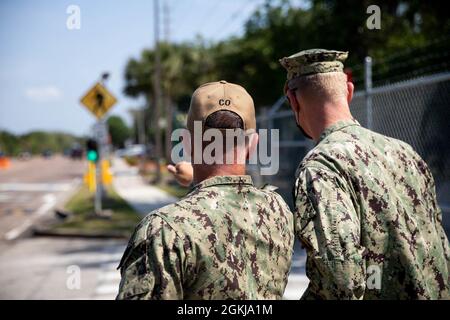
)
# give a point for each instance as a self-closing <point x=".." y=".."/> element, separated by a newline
<point x="109" y="276"/>
<point x="296" y="286"/>
<point x="108" y="279"/>
<point x="16" y="232"/>
<point x="107" y="289"/>
<point x="49" y="201"/>
<point x="42" y="187"/>
<point x="4" y="197"/>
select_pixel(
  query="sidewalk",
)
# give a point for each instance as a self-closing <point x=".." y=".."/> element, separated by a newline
<point x="60" y="268"/>
<point x="143" y="197"/>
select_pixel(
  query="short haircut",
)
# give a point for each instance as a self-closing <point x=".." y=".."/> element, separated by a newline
<point x="231" y="126"/>
<point x="224" y="119"/>
<point x="328" y="86"/>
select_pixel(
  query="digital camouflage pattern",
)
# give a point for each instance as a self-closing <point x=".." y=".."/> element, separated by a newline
<point x="367" y="215"/>
<point x="313" y="61"/>
<point x="225" y="240"/>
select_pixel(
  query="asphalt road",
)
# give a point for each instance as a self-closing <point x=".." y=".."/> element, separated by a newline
<point x="60" y="268"/>
<point x="29" y="189"/>
<point x="49" y="268"/>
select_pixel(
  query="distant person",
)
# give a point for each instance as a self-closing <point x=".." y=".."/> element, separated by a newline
<point x="365" y="204"/>
<point x="226" y="239"/>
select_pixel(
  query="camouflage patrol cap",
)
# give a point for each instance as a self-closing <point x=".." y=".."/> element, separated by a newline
<point x="221" y="95"/>
<point x="313" y="61"/>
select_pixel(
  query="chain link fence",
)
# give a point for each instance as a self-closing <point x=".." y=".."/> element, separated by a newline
<point x="416" y="111"/>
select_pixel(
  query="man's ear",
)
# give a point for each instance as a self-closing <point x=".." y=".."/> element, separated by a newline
<point x="350" y="88"/>
<point x="293" y="101"/>
<point x="186" y="142"/>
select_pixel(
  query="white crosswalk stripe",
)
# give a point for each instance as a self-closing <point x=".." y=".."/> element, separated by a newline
<point x="40" y="187"/>
<point x="109" y="277"/>
<point x="297" y="281"/>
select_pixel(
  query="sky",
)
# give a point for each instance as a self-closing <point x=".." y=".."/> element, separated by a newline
<point x="45" y="67"/>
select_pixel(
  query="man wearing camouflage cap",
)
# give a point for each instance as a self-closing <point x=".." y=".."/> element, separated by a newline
<point x="365" y="204"/>
<point x="226" y="239"/>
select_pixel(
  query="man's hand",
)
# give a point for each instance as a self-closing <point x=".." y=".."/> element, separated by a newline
<point x="183" y="172"/>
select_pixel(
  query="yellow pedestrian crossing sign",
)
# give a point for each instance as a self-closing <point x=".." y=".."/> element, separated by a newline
<point x="98" y="100"/>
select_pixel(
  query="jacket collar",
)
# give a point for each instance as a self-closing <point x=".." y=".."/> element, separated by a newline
<point x="336" y="127"/>
<point x="224" y="180"/>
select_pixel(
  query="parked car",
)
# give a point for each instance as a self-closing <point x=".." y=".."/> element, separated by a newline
<point x="24" y="156"/>
<point x="134" y="150"/>
<point x="47" y="153"/>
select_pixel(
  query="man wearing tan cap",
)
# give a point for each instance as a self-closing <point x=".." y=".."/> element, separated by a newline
<point x="365" y="204"/>
<point x="226" y="239"/>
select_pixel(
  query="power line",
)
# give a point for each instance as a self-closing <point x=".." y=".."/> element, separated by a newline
<point x="185" y="18"/>
<point x="233" y="17"/>
<point x="209" y="14"/>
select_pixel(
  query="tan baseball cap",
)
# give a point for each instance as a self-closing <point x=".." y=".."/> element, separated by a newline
<point x="221" y="95"/>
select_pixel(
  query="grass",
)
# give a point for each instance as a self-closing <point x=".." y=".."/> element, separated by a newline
<point x="174" y="190"/>
<point x="132" y="161"/>
<point x="122" y="221"/>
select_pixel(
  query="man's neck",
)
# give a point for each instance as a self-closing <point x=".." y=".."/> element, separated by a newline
<point x="331" y="114"/>
<point x="203" y="172"/>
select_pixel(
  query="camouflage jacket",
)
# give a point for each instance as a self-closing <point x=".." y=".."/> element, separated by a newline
<point x="225" y="240"/>
<point x="366" y="212"/>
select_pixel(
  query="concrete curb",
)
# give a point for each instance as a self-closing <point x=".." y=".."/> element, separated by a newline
<point x="43" y="232"/>
<point x="26" y="228"/>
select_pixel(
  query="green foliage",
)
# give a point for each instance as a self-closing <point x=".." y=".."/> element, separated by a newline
<point x="36" y="142"/>
<point x="184" y="66"/>
<point x="277" y="29"/>
<point x="9" y="143"/>
<point x="122" y="221"/>
<point x="118" y="130"/>
<point x="132" y="161"/>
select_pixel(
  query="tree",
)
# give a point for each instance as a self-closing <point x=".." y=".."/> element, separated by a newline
<point x="183" y="67"/>
<point x="118" y="130"/>
<point x="277" y="29"/>
<point x="36" y="142"/>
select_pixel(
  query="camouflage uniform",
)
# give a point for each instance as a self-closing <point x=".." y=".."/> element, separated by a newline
<point x="313" y="61"/>
<point x="225" y="240"/>
<point x="366" y="207"/>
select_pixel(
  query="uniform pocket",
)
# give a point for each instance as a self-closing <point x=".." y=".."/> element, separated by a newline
<point x="135" y="282"/>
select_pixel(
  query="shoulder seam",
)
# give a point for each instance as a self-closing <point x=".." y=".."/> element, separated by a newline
<point x="318" y="168"/>
<point x="162" y="217"/>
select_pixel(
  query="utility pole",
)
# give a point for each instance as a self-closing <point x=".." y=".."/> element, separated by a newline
<point x="368" y="90"/>
<point x="100" y="132"/>
<point x="166" y="13"/>
<point x="167" y="103"/>
<point x="157" y="92"/>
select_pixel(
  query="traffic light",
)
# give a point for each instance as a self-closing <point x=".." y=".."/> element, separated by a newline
<point x="92" y="150"/>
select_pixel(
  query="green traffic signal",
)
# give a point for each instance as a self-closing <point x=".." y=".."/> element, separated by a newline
<point x="92" y="155"/>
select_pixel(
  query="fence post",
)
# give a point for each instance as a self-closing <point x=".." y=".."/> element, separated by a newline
<point x="270" y="124"/>
<point x="368" y="90"/>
